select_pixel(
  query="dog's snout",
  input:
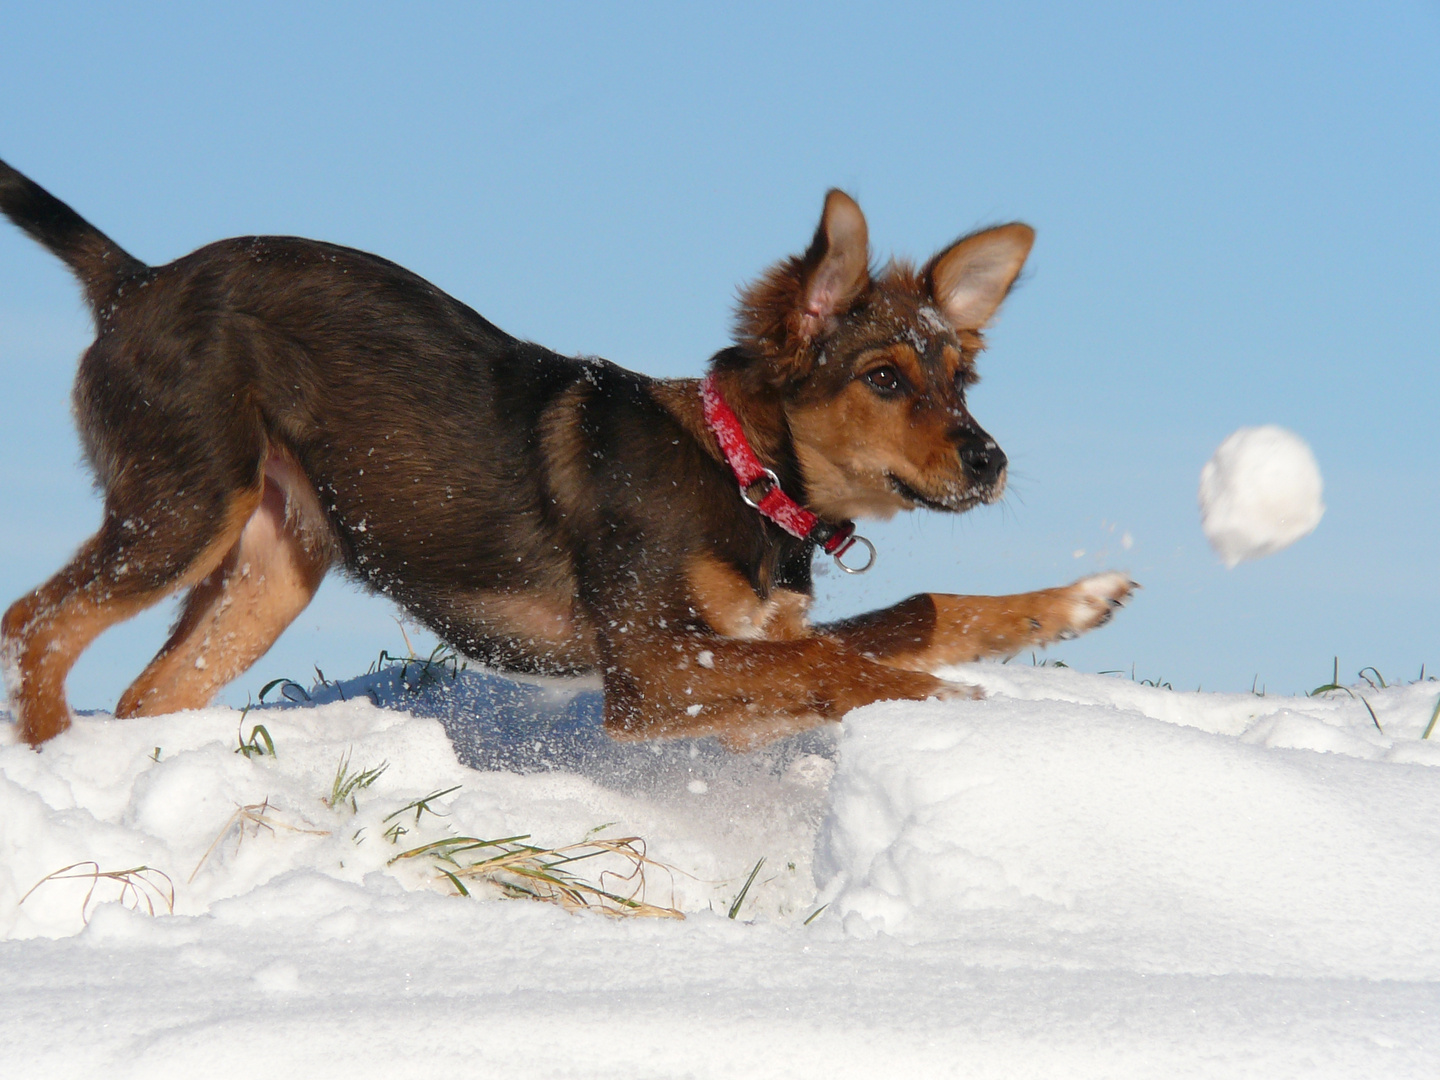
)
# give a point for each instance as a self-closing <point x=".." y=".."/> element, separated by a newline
<point x="982" y="458"/>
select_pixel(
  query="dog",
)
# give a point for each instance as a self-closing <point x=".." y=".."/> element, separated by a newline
<point x="267" y="407"/>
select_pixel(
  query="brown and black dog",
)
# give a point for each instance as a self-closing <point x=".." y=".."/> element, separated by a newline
<point x="268" y="406"/>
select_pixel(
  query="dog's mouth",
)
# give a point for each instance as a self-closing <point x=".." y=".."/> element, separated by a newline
<point x="952" y="503"/>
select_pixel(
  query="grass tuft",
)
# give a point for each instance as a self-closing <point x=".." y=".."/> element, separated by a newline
<point x="1157" y="683"/>
<point x="1037" y="662"/>
<point x="256" y="816"/>
<point x="547" y="874"/>
<point x="1378" y="677"/>
<point x="290" y="690"/>
<point x="139" y="885"/>
<point x="1333" y="684"/>
<point x="329" y="684"/>
<point x="443" y="662"/>
<point x="346" y="783"/>
<point x="258" y="745"/>
<point x="420" y="806"/>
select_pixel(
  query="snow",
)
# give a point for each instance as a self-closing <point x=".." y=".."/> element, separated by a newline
<point x="1078" y="875"/>
<point x="1259" y="493"/>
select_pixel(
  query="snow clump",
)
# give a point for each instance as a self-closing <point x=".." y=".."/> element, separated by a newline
<point x="1259" y="493"/>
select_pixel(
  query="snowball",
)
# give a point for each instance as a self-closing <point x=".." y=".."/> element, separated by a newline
<point x="1259" y="493"/>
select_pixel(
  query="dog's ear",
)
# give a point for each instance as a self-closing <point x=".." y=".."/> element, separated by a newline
<point x="800" y="299"/>
<point x="970" y="278"/>
<point x="837" y="264"/>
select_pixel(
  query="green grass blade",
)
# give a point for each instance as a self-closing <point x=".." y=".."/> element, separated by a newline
<point x="459" y="885"/>
<point x="1378" y="676"/>
<point x="1433" y="717"/>
<point x="739" y="900"/>
<point x="1373" y="718"/>
<point x="422" y="805"/>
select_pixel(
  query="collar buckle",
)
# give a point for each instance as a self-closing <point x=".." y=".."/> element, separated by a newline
<point x="768" y="480"/>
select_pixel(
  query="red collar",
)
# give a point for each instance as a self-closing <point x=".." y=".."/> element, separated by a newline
<point x="773" y="503"/>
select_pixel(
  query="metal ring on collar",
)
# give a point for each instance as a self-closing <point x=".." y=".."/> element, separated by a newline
<point x="869" y="562"/>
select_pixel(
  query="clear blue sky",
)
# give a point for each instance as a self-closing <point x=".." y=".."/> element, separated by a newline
<point x="1237" y="216"/>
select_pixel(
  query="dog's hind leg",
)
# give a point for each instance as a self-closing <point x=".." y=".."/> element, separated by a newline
<point x="932" y="630"/>
<point x="128" y="565"/>
<point x="232" y="617"/>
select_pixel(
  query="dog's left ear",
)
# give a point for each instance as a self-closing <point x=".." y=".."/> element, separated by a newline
<point x="970" y="278"/>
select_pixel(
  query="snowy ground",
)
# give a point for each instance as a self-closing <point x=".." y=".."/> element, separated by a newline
<point x="1078" y="876"/>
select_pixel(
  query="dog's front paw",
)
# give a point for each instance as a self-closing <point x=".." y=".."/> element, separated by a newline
<point x="954" y="691"/>
<point x="1094" y="599"/>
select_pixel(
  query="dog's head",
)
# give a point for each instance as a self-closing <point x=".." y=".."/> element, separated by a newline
<point x="872" y="369"/>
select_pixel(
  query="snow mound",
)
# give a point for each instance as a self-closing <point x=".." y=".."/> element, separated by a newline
<point x="1259" y="493"/>
<point x="1088" y="835"/>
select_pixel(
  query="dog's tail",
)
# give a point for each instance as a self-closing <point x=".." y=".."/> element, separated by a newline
<point x="101" y="264"/>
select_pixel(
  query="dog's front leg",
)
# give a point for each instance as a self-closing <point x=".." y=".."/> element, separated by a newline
<point x="931" y="630"/>
<point x="746" y="692"/>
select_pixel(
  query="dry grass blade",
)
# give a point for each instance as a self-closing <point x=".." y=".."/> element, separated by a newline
<point x="138" y="885"/>
<point x="257" y="816"/>
<point x="521" y="869"/>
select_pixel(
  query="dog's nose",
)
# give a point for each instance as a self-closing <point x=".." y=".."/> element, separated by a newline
<point x="983" y="459"/>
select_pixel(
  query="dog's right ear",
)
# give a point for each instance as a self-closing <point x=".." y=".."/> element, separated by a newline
<point x="800" y="299"/>
<point x="837" y="265"/>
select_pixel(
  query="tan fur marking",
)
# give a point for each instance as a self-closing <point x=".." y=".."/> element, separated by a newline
<point x="47" y="630"/>
<point x="563" y="446"/>
<point x="724" y="599"/>
<point x="903" y="357"/>
<point x="846" y="445"/>
<point x="304" y="515"/>
<point x="548" y="623"/>
<point x="233" y="616"/>
<point x="789" y="616"/>
<point x="727" y="602"/>
<point x="42" y="648"/>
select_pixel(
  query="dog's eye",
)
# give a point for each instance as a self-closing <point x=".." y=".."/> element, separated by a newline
<point x="885" y="380"/>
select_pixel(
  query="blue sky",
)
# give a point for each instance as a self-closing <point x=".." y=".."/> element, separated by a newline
<point x="1237" y="217"/>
